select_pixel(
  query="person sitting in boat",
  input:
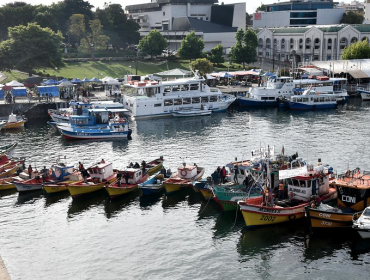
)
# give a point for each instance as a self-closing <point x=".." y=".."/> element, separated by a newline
<point x="102" y="160"/>
<point x="169" y="172"/>
<point x="136" y="165"/>
<point x="44" y="174"/>
<point x="131" y="164"/>
<point x="281" y="190"/>
<point x="163" y="171"/>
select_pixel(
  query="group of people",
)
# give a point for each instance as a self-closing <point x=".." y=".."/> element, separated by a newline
<point x="122" y="175"/>
<point x="219" y="175"/>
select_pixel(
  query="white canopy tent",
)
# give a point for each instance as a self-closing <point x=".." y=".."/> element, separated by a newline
<point x="15" y="83"/>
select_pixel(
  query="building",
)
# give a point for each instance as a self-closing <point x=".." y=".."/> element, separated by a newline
<point x="299" y="13"/>
<point x="354" y="6"/>
<point x="215" y="24"/>
<point x="310" y="43"/>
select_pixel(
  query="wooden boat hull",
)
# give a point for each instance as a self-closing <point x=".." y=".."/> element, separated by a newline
<point x="320" y="219"/>
<point x="118" y="191"/>
<point x="13" y="125"/>
<point x="83" y="189"/>
<point x="8" y="149"/>
<point x="175" y="187"/>
<point x="9" y="171"/>
<point x="55" y="188"/>
<point x="207" y="193"/>
<point x="148" y="190"/>
<point x="6" y="184"/>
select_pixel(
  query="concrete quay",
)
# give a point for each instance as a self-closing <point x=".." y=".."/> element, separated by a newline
<point x="3" y="272"/>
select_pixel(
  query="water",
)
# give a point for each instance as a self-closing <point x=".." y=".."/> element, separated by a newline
<point x="181" y="236"/>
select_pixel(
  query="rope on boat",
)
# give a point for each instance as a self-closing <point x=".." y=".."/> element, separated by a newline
<point x="236" y="215"/>
<point x="205" y="206"/>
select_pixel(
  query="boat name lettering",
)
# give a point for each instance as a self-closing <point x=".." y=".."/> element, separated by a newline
<point x="348" y="198"/>
<point x="325" y="215"/>
<point x="269" y="210"/>
<point x="267" y="218"/>
<point x="296" y="190"/>
<point x="325" y="223"/>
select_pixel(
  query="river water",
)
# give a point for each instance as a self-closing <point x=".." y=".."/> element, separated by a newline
<point x="182" y="236"/>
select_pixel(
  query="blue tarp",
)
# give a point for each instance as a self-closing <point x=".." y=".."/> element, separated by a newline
<point x="47" y="89"/>
<point x="50" y="82"/>
<point x="76" y="81"/>
<point x="85" y="80"/>
<point x="19" y="91"/>
<point x="95" y="80"/>
<point x="269" y="74"/>
<point x="63" y="80"/>
<point x="1" y="94"/>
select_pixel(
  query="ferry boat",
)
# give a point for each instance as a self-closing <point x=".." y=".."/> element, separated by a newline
<point x="365" y="93"/>
<point x="278" y="88"/>
<point x="185" y="177"/>
<point x="312" y="100"/>
<point x="303" y="182"/>
<point x="353" y="190"/>
<point x="148" y="99"/>
<point x="96" y="125"/>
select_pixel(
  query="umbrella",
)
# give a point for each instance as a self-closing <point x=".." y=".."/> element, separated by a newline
<point x="15" y="84"/>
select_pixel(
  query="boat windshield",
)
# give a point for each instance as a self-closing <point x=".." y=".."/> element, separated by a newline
<point x="366" y="212"/>
<point x="129" y="90"/>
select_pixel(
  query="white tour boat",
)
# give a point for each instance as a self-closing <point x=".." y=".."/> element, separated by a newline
<point x="361" y="223"/>
<point x="147" y="99"/>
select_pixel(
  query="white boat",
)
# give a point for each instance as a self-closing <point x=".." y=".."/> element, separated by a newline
<point x="362" y="223"/>
<point x="2" y="123"/>
<point x="365" y="93"/>
<point x="313" y="100"/>
<point x="285" y="87"/>
<point x="148" y="99"/>
<point x="192" y="112"/>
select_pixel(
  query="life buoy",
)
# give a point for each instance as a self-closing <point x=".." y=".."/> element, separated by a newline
<point x="291" y="217"/>
<point x="183" y="172"/>
<point x="50" y="172"/>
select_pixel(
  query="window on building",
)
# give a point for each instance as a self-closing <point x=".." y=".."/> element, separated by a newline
<point x="268" y="43"/>
<point x="353" y="40"/>
<point x="283" y="44"/>
<point x="343" y="43"/>
<point x="317" y="43"/>
<point x="292" y="43"/>
<point x="260" y="43"/>
<point x="308" y="44"/>
<point x="364" y="38"/>
<point x="164" y="13"/>
<point x="275" y="43"/>
<point x="300" y="44"/>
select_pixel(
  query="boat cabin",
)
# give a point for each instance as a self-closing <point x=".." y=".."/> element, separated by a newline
<point x="313" y="98"/>
<point x="101" y="170"/>
<point x="187" y="171"/>
<point x="98" y="117"/>
<point x="60" y="171"/>
<point x="134" y="174"/>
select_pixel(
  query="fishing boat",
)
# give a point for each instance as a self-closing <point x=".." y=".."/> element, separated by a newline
<point x="97" y="125"/>
<point x="153" y="185"/>
<point x="303" y="184"/>
<point x="205" y="186"/>
<point x="14" y="122"/>
<point x="313" y="100"/>
<point x="148" y="99"/>
<point x="120" y="187"/>
<point x="57" y="172"/>
<point x="191" y="112"/>
<point x="154" y="166"/>
<point x="8" y="149"/>
<point x="353" y="190"/>
<point x="6" y="184"/>
<point x="184" y="178"/>
<point x="9" y="169"/>
<point x="2" y="123"/>
<point x="365" y="93"/>
<point x="62" y="186"/>
<point x="361" y="223"/>
<point x="100" y="173"/>
<point x="278" y="88"/>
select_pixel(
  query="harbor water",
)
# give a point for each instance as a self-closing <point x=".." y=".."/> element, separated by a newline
<point x="182" y="236"/>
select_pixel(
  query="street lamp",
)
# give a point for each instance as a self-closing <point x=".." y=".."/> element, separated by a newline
<point x="228" y="75"/>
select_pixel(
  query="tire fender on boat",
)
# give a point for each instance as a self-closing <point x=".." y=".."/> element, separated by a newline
<point x="291" y="217"/>
<point x="183" y="172"/>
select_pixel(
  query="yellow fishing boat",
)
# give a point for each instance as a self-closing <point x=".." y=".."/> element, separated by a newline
<point x="183" y="178"/>
<point x="8" y="170"/>
<point x="14" y="122"/>
<point x="75" y="177"/>
<point x="82" y="188"/>
<point x="5" y="184"/>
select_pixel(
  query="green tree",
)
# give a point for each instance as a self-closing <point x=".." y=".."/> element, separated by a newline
<point x="191" y="47"/>
<point x="358" y="50"/>
<point x="31" y="47"/>
<point x="90" y="40"/>
<point x="203" y="65"/>
<point x="352" y="18"/>
<point x="245" y="50"/>
<point x="216" y="56"/>
<point x="152" y="44"/>
<point x="261" y="8"/>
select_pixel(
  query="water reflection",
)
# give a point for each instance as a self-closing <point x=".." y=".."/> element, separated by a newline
<point x="172" y="200"/>
<point x="4" y="193"/>
<point x="227" y="222"/>
<point x="114" y="206"/>
<point x="50" y="199"/>
<point x="147" y="201"/>
<point x="86" y="202"/>
<point x="29" y="197"/>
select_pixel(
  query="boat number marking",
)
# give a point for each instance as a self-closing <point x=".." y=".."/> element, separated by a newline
<point x="348" y="198"/>
<point x="297" y="190"/>
<point x="267" y="218"/>
<point x="325" y="223"/>
<point x="324" y="215"/>
<point x="269" y="210"/>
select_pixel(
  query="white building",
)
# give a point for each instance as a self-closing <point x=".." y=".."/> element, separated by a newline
<point x="311" y="43"/>
<point x="299" y="13"/>
<point x="176" y="18"/>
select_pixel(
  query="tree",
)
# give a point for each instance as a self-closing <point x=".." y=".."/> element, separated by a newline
<point x="153" y="44"/>
<point x="191" y="47"/>
<point x="203" y="65"/>
<point x="31" y="47"/>
<point x="91" y="40"/>
<point x="245" y="50"/>
<point x="358" y="50"/>
<point x="217" y="54"/>
<point x="352" y="18"/>
<point x="261" y="8"/>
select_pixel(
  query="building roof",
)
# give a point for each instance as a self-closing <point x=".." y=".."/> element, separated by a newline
<point x="189" y="23"/>
<point x="160" y="3"/>
<point x="323" y="28"/>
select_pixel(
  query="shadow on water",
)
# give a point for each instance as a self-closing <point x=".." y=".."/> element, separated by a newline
<point x="113" y="206"/>
<point x="7" y="192"/>
<point x="227" y="222"/>
<point x="29" y="197"/>
<point x="50" y="199"/>
<point x="208" y="208"/>
<point x="146" y="201"/>
<point x="172" y="200"/>
<point x="86" y="202"/>
<point x="255" y="241"/>
<point x="119" y="142"/>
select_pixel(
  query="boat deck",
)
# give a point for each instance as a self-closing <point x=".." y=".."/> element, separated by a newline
<point x="353" y="179"/>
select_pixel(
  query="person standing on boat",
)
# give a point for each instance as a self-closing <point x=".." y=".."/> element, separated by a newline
<point x="223" y="175"/>
<point x="163" y="171"/>
<point x="236" y="172"/>
<point x="84" y="174"/>
<point x="119" y="177"/>
<point x="30" y="171"/>
<point x="80" y="166"/>
<point x="215" y="177"/>
<point x="281" y="190"/>
<point x="126" y="177"/>
<point x="44" y="174"/>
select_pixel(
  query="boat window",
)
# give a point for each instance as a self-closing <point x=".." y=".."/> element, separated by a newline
<point x="184" y="87"/>
<point x="176" y="88"/>
<point x="204" y="99"/>
<point x="167" y="88"/>
<point x="100" y="171"/>
<point x="241" y="171"/>
<point x="150" y="91"/>
<point x="295" y="183"/>
<point x="186" y="101"/>
<point x="213" y="98"/>
<point x="322" y="99"/>
<point x="158" y="105"/>
<point x="305" y="99"/>
<point x="195" y="100"/>
<point x="177" y="102"/>
<point x="194" y="86"/>
<point x="168" y="102"/>
<point x="129" y="90"/>
<point x="366" y="212"/>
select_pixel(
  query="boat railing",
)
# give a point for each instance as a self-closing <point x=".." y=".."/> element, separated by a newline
<point x="354" y="175"/>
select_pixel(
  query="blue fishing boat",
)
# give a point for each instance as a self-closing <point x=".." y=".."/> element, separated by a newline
<point x="153" y="185"/>
<point x="98" y="124"/>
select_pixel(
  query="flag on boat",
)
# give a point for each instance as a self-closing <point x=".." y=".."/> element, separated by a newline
<point x="359" y="171"/>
